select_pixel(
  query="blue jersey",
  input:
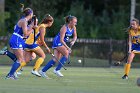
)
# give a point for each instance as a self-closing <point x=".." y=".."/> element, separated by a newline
<point x="16" y="40"/>
<point x="18" y="30"/>
<point x="68" y="34"/>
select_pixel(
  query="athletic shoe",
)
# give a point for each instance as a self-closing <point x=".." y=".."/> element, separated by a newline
<point x="125" y="77"/>
<point x="35" y="73"/>
<point x="58" y="73"/>
<point x="43" y="74"/>
<point x="16" y="75"/>
<point x="21" y="69"/>
<point x="11" y="77"/>
<point x="3" y="51"/>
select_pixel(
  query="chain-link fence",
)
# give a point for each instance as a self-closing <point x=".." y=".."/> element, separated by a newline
<point x="91" y="52"/>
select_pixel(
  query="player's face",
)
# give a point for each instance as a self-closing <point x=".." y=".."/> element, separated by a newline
<point x="31" y="15"/>
<point x="50" y="24"/>
<point x="73" y="22"/>
<point x="134" y="25"/>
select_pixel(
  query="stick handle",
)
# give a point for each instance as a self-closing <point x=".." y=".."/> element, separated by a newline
<point x="69" y="55"/>
<point x="58" y="61"/>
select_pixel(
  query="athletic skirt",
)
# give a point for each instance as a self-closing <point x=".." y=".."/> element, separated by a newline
<point x="28" y="47"/>
<point x="16" y="42"/>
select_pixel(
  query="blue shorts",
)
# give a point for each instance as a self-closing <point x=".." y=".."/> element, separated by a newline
<point x="56" y="43"/>
<point x="135" y="48"/>
<point x="16" y="42"/>
<point x="28" y="47"/>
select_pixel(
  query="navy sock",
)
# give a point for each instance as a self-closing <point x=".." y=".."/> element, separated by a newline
<point x="14" y="68"/>
<point x="48" y="65"/>
<point x="62" y="60"/>
<point x="11" y="55"/>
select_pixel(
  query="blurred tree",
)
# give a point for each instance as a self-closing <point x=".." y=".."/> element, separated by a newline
<point x="96" y="18"/>
<point x="3" y="17"/>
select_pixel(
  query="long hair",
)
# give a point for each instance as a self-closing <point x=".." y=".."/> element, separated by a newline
<point x="136" y="20"/>
<point x="47" y="18"/>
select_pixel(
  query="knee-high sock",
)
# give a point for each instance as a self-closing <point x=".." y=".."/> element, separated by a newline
<point x="62" y="60"/>
<point x="11" y="55"/>
<point x="48" y="65"/>
<point x="14" y="68"/>
<point x="38" y="63"/>
<point x="127" y="68"/>
<point x="22" y="64"/>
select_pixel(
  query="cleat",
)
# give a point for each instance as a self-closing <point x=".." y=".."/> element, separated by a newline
<point x="43" y="74"/>
<point x="16" y="75"/>
<point x="21" y="69"/>
<point x="58" y="73"/>
<point x="125" y="77"/>
<point x="35" y="73"/>
<point x="3" y="51"/>
<point x="11" y="77"/>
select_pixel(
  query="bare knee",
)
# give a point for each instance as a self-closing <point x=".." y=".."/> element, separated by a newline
<point x="20" y="59"/>
<point x="67" y="54"/>
<point x="54" y="60"/>
<point x="130" y="58"/>
<point x="43" y="56"/>
<point x="27" y="60"/>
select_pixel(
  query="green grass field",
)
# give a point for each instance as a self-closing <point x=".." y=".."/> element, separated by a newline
<point x="75" y="80"/>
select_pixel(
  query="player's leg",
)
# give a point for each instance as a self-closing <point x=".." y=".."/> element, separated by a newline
<point x="39" y="61"/>
<point x="15" y="66"/>
<point x="33" y="56"/>
<point x="5" y="51"/>
<point x="128" y="65"/>
<point x="27" y="58"/>
<point x="63" y="59"/>
<point x="42" y="72"/>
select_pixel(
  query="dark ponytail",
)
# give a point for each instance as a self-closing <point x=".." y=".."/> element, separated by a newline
<point x="47" y="18"/>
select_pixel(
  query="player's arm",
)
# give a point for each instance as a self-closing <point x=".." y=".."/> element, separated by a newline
<point x="62" y="35"/>
<point x="39" y="42"/>
<point x="74" y="36"/>
<point x="26" y="30"/>
<point x="42" y="35"/>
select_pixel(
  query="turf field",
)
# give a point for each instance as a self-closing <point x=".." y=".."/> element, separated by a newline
<point x="75" y="80"/>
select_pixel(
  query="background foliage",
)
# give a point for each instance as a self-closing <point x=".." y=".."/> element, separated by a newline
<point x="102" y="19"/>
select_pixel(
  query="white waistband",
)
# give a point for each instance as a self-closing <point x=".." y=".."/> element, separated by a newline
<point x="18" y="35"/>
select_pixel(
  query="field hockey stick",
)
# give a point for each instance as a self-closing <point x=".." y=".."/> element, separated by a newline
<point x="58" y="61"/>
<point x="126" y="41"/>
<point x="69" y="55"/>
<point x="122" y="60"/>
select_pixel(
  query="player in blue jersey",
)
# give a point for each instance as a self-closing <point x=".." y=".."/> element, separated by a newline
<point x="21" y="31"/>
<point x="61" y="49"/>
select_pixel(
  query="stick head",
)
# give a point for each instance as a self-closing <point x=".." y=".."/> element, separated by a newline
<point x="117" y="63"/>
<point x="52" y="54"/>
